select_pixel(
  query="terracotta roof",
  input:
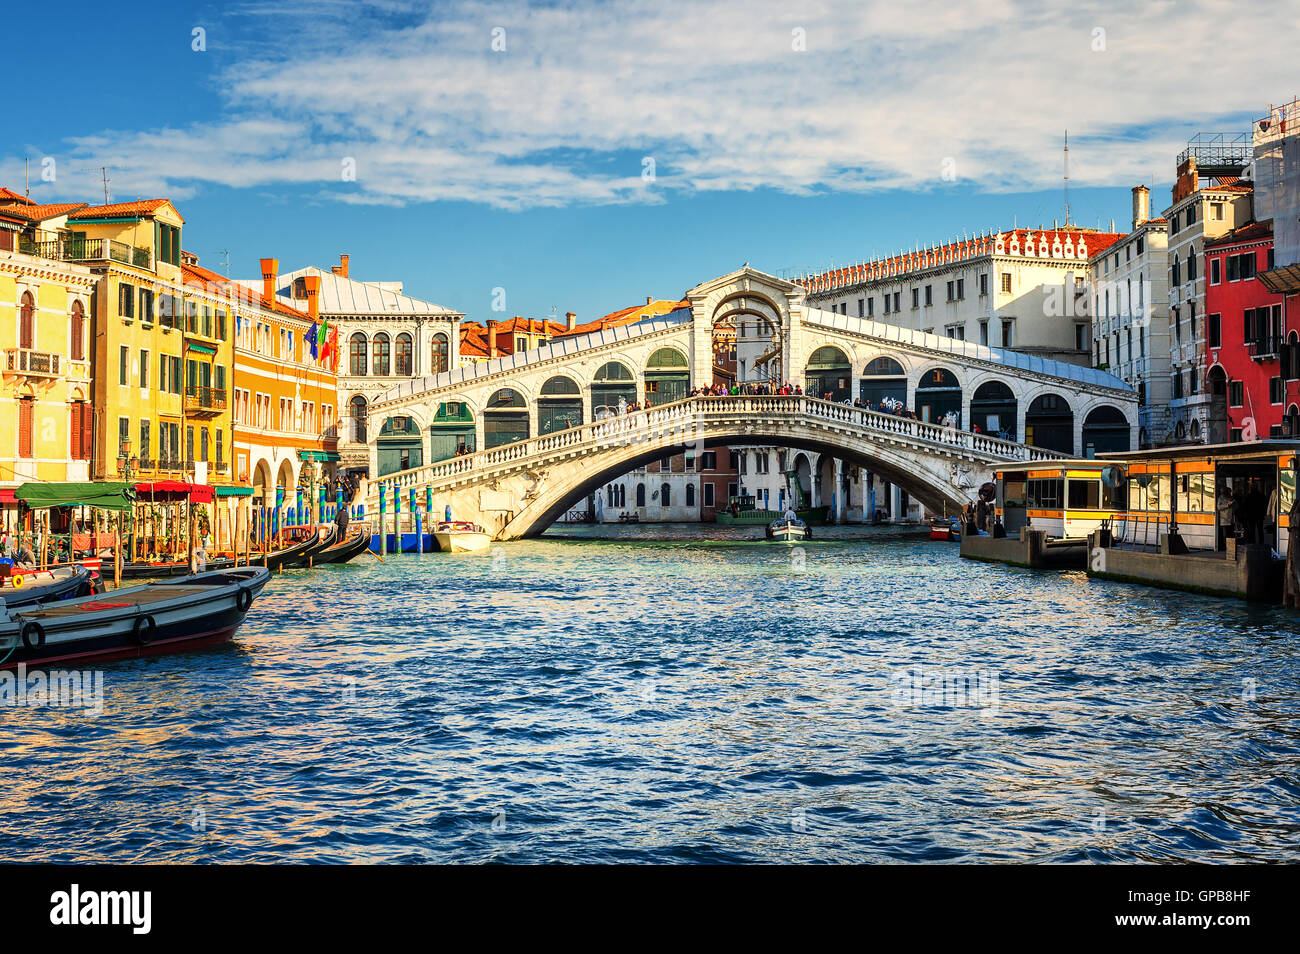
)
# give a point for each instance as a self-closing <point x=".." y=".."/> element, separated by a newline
<point x="197" y="274"/>
<point x="139" y="207"/>
<point x="625" y="316"/>
<point x="9" y="195"/>
<point x="38" y="213"/>
<point x="1250" y="232"/>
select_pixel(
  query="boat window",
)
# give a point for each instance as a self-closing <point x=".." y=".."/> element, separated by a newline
<point x="1013" y="493"/>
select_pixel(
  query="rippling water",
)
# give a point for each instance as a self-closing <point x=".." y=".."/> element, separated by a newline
<point x="684" y="699"/>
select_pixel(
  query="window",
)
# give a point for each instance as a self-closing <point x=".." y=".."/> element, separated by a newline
<point x="1214" y="271"/>
<point x="1141" y="244"/>
<point x="1276" y="390"/>
<point x="144" y="368"/>
<point x="382" y="365"/>
<point x="220" y="456"/>
<point x="1214" y="331"/>
<point x="929" y="295"/>
<point x="665" y="495"/>
<point x="984" y="332"/>
<point x="405" y="355"/>
<point x="143" y="450"/>
<point x="1080" y="337"/>
<point x="169" y="244"/>
<point x="690" y="495"/>
<point x="439" y="354"/>
<point x="886" y="304"/>
<point x="1006" y="283"/>
<point x="951" y="287"/>
<point x="1178" y="384"/>
<point x="1235" y="394"/>
<point x="961" y="289"/>
<point x="27" y="322"/>
<point x="898" y="295"/>
<point x="78" y="333"/>
<point x="123" y="434"/>
<point x="123" y="363"/>
<point x="146" y="306"/>
<point x="126" y="300"/>
<point x="1175" y="272"/>
<point x="709" y="460"/>
<point x="189" y="443"/>
<point x="871" y="307"/>
<point x="1007" y="332"/>
<point x="984" y="285"/>
<point x="708" y="495"/>
<point x="916" y="298"/>
<point x="862" y="307"/>
<point x="357" y="354"/>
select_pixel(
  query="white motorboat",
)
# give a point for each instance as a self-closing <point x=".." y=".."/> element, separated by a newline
<point x="788" y="531"/>
<point x="461" y="536"/>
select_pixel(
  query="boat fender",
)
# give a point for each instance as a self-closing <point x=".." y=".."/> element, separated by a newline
<point x="143" y="629"/>
<point x="243" y="600"/>
<point x="17" y="580"/>
<point x="33" y="634"/>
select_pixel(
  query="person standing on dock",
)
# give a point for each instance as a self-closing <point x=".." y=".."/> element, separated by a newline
<point x="1224" y="505"/>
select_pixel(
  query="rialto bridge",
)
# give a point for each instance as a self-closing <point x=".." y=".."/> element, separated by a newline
<point x="512" y="442"/>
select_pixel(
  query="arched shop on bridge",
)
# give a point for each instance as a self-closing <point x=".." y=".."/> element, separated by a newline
<point x="993" y="410"/>
<point x="1049" y="423"/>
<point x="937" y="395"/>
<point x="883" y="379"/>
<point x="614" y="381"/>
<point x="452" y="431"/>
<point x="829" y="372"/>
<point x="399" y="446"/>
<point x="560" y="405"/>
<point x="505" y="419"/>
<point x="667" y="377"/>
<point x="1105" y="431"/>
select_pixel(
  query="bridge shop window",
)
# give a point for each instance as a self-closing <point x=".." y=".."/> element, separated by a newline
<point x="505" y="419"/>
<point x="614" y="382"/>
<point x="560" y="405"/>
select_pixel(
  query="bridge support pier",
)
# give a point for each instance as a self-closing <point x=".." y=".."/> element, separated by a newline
<point x="839" y="490"/>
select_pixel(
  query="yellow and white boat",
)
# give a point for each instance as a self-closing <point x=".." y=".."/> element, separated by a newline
<point x="461" y="536"/>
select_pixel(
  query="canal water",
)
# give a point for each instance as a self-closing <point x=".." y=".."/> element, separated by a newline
<point x="696" y="696"/>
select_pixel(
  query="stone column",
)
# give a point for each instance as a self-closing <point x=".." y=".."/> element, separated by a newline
<point x="839" y="490"/>
<point x="814" y="468"/>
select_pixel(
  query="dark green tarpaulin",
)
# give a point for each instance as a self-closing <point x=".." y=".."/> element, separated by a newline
<point x="105" y="495"/>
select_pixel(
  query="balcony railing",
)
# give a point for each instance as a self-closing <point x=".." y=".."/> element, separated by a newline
<point x="205" y="400"/>
<point x="85" y="250"/>
<point x="36" y="363"/>
<point x="1264" y="349"/>
<point x="220" y="466"/>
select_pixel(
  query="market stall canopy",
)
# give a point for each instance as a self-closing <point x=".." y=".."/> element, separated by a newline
<point x="104" y="495"/>
<point x="173" y="491"/>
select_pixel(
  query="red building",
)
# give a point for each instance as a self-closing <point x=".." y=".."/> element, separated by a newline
<point x="1250" y="367"/>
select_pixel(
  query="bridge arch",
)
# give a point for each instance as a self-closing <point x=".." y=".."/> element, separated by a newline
<point x="938" y="393"/>
<point x="613" y="381"/>
<point x="994" y="409"/>
<point x="1106" y="430"/>
<point x="505" y="417"/>
<point x="559" y="404"/>
<point x="1049" y="423"/>
<point x="883" y="378"/>
<point x="667" y="375"/>
<point x="829" y="370"/>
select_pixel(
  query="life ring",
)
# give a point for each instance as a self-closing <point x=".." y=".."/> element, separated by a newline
<point x="32" y="627"/>
<point x="243" y="600"/>
<point x="16" y="580"/>
<point x="143" y="625"/>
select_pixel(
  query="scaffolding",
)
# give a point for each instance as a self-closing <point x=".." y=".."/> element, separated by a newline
<point x="1277" y="178"/>
<point x="1219" y="154"/>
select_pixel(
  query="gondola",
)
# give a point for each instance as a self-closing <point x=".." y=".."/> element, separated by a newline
<point x="43" y="586"/>
<point x="151" y="570"/>
<point x="164" y="617"/>
<point x="321" y="540"/>
<point x="352" y="546"/>
<point x="283" y="558"/>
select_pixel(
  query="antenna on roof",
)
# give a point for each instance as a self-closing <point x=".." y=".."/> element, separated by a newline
<point x="27" y="177"/>
<point x="225" y="260"/>
<point x="103" y="172"/>
<point x="1067" y="178"/>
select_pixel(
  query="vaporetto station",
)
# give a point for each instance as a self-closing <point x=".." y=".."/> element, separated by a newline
<point x="483" y="438"/>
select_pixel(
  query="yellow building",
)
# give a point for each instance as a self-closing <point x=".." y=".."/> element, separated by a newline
<point x="45" y="307"/>
<point x="163" y="349"/>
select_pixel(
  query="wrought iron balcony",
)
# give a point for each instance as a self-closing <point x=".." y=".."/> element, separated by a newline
<point x="1264" y="349"/>
<point x="205" y="401"/>
<point x="39" y="364"/>
<point x="84" y="250"/>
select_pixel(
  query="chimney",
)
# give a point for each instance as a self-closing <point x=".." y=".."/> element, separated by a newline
<point x="270" y="272"/>
<point x="492" y="337"/>
<point x="1141" y="205"/>
<point x="649" y="300"/>
<point x="312" y="284"/>
<point x="1185" y="185"/>
<point x="570" y="321"/>
<point x="343" y="265"/>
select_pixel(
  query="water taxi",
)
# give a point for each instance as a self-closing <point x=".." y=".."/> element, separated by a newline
<point x="461" y="536"/>
<point x="788" y="531"/>
<point x="1068" y="499"/>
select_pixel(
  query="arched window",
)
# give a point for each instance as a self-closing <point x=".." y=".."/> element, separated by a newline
<point x="640" y="495"/>
<point x="357" y="355"/>
<point x="405" y="355"/>
<point x="77" y="332"/>
<point x="438" y="357"/>
<point x="382" y="365"/>
<point x="27" y="322"/>
<point x="357" y="415"/>
<point x="665" y="495"/>
<point x="690" y="495"/>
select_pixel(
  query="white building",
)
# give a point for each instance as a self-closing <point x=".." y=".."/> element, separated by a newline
<point x="385" y="338"/>
<point x="1129" y="294"/>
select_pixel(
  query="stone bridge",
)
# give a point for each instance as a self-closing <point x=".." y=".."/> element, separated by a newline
<point x="519" y="489"/>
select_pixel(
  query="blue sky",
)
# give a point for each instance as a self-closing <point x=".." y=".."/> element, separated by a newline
<point x="506" y="144"/>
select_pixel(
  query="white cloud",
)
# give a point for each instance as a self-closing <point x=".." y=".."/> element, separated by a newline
<point x="714" y="92"/>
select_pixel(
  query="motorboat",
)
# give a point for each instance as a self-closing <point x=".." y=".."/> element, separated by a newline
<point x="944" y="528"/>
<point x="163" y="617"/>
<point x="461" y="536"/>
<point x="785" y="530"/>
<point x="28" y="586"/>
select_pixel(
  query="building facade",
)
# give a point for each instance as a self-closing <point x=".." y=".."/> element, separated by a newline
<point x="1250" y="367"/>
<point x="1129" y="291"/>
<point x="384" y="338"/>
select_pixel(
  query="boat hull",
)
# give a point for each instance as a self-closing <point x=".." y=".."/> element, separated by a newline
<point x="42" y="586"/>
<point x="348" y="549"/>
<point x="462" y="542"/>
<point x="193" y="613"/>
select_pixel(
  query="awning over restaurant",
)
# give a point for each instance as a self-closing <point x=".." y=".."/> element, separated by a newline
<point x="7" y="495"/>
<point x="234" y="491"/>
<point x="173" y="491"/>
<point x="104" y="495"/>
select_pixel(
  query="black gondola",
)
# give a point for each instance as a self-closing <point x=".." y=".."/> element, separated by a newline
<point x="319" y="541"/>
<point x="351" y="547"/>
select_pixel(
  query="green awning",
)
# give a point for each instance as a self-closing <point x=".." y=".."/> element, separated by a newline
<point x="104" y="495"/>
<point x="322" y="457"/>
<point x="200" y="348"/>
<point x="233" y="491"/>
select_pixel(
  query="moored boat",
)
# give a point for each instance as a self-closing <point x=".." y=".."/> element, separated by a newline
<point x="786" y="530"/>
<point x="942" y="528"/>
<point x="163" y="617"/>
<point x="461" y="536"/>
<point x="324" y="538"/>
<point x="344" y="550"/>
<point x="27" y="586"/>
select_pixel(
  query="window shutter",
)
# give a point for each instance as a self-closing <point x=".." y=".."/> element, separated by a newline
<point x="74" y="431"/>
<point x="25" y="428"/>
<point x="87" y="430"/>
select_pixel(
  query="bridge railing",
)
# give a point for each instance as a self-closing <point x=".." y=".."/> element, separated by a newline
<point x="681" y="418"/>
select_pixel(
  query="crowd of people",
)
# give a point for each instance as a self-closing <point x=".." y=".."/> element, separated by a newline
<point x="1245" y="511"/>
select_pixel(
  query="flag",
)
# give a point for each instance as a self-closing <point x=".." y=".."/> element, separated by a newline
<point x="334" y="350"/>
<point x="321" y="331"/>
<point x="309" y="339"/>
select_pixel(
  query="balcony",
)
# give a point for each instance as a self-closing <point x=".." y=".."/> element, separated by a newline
<point x="205" y="402"/>
<point x="85" y="250"/>
<point x="42" y="365"/>
<point x="220" y="466"/>
<point x="1264" y="349"/>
